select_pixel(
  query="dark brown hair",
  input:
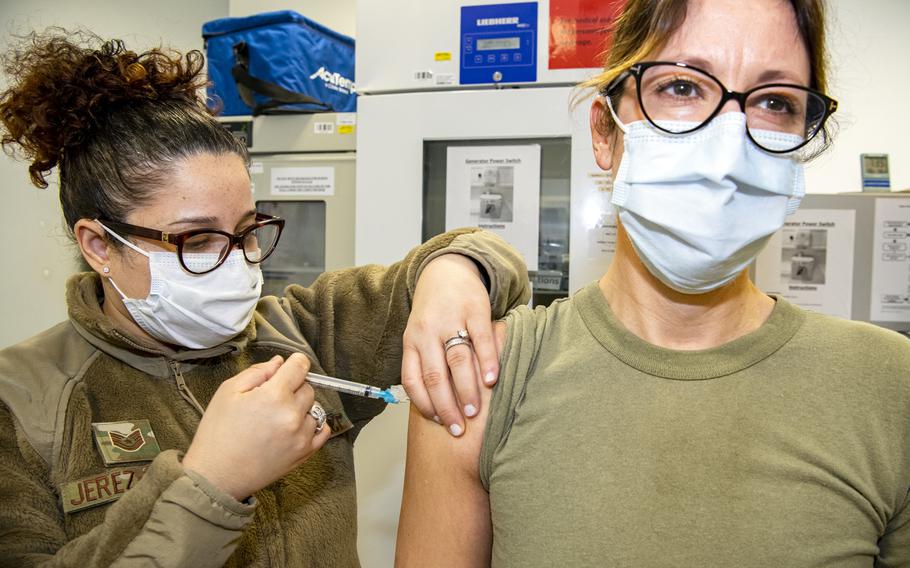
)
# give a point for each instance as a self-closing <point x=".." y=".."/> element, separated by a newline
<point x="644" y="26"/>
<point x="113" y="121"/>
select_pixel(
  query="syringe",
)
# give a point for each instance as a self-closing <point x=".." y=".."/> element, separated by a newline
<point x="392" y="395"/>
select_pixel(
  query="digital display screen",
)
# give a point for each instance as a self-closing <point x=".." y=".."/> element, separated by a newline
<point x="498" y="43"/>
<point x="876" y="165"/>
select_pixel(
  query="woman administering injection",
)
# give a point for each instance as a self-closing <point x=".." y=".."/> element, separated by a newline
<point x="168" y="420"/>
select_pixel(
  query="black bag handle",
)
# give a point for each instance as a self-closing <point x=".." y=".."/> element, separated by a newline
<point x="278" y="96"/>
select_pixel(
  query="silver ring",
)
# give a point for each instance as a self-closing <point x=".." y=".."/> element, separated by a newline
<point x="461" y="338"/>
<point x="318" y="413"/>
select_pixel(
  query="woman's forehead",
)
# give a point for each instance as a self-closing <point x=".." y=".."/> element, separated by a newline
<point x="202" y="186"/>
<point x="740" y="41"/>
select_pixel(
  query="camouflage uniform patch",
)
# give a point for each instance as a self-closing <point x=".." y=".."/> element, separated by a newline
<point x="125" y="442"/>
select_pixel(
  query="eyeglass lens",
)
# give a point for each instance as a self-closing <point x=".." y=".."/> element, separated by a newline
<point x="259" y="243"/>
<point x="204" y="251"/>
<point x="680" y="99"/>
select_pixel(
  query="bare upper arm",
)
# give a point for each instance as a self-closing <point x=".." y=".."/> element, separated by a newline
<point x="445" y="511"/>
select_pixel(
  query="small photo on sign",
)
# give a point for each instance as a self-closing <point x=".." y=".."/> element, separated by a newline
<point x="492" y="190"/>
<point x="803" y="256"/>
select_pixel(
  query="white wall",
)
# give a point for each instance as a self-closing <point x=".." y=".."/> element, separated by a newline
<point x="870" y="46"/>
<point x="38" y="257"/>
<point x="339" y="15"/>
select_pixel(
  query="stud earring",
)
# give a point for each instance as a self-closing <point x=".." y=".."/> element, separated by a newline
<point x="106" y="270"/>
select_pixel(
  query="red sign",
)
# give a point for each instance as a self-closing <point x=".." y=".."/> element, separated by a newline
<point x="578" y="32"/>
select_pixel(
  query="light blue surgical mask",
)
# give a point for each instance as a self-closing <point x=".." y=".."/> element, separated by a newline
<point x="699" y="207"/>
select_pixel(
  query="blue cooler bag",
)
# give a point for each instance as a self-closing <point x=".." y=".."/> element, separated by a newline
<point x="279" y="62"/>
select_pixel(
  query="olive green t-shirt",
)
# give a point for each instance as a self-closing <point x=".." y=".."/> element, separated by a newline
<point x="789" y="446"/>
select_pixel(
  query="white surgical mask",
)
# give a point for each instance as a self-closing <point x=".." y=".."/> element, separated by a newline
<point x="699" y="207"/>
<point x="197" y="311"/>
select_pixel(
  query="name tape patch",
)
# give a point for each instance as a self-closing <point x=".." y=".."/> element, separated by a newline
<point x="99" y="489"/>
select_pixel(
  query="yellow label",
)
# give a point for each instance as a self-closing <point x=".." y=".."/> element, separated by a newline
<point x="345" y="129"/>
<point x="443" y="56"/>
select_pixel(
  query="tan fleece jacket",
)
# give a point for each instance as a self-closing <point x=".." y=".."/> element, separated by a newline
<point x="82" y="371"/>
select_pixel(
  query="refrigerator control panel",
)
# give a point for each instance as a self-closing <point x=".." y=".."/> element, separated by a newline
<point x="498" y="43"/>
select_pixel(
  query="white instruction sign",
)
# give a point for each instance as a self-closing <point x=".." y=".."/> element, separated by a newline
<point x="303" y="181"/>
<point x="891" y="261"/>
<point x="810" y="261"/>
<point x="496" y="188"/>
<point x="346" y="119"/>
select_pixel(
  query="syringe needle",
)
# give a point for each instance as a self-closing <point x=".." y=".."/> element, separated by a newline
<point x="393" y="395"/>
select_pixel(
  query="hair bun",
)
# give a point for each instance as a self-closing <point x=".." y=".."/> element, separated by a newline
<point x="63" y="85"/>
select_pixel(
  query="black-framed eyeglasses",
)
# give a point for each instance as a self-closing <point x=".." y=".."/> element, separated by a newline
<point x="203" y="250"/>
<point x="678" y="98"/>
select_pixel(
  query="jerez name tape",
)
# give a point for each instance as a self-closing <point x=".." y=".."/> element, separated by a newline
<point x="99" y="489"/>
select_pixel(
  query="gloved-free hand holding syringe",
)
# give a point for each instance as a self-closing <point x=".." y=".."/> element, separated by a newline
<point x="392" y="395"/>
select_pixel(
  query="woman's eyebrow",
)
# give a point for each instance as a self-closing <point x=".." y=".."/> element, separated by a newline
<point x="211" y="221"/>
<point x="194" y="221"/>
<point x="780" y="75"/>
<point x="248" y="216"/>
<point x="767" y="76"/>
<point x="693" y="60"/>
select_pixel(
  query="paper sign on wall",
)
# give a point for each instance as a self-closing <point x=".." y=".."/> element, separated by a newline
<point x="810" y="261"/>
<point x="496" y="188"/>
<point x="891" y="261"/>
<point x="303" y="181"/>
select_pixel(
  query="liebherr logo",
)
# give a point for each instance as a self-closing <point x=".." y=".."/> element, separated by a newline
<point x="334" y="81"/>
<point x="497" y="21"/>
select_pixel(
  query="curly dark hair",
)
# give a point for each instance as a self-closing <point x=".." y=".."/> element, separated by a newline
<point x="112" y="120"/>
